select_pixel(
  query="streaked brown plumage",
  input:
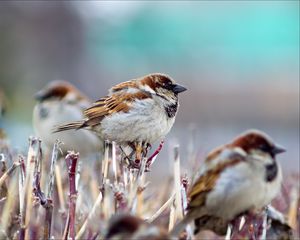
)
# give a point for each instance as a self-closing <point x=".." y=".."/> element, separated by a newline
<point x="234" y="178"/>
<point x="135" y="113"/>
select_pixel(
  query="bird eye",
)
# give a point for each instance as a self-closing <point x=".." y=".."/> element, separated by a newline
<point x="264" y="148"/>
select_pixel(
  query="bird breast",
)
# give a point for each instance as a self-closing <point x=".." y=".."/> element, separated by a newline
<point x="145" y="121"/>
<point x="241" y="188"/>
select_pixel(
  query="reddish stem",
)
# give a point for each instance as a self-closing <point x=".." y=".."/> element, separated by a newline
<point x="157" y="151"/>
<point x="71" y="161"/>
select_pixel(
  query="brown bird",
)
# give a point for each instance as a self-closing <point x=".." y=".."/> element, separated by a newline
<point x="137" y="113"/>
<point x="235" y="178"/>
<point x="57" y="103"/>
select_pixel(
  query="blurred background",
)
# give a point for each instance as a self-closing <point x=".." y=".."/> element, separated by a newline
<point x="239" y="60"/>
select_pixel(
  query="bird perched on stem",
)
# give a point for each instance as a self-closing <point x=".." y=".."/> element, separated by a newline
<point x="57" y="103"/>
<point x="235" y="178"/>
<point x="135" y="113"/>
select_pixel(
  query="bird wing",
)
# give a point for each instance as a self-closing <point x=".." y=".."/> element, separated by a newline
<point x="124" y="86"/>
<point x="118" y="102"/>
<point x="207" y="181"/>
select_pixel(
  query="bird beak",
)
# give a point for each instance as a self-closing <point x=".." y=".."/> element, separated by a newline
<point x="178" y="89"/>
<point x="278" y="149"/>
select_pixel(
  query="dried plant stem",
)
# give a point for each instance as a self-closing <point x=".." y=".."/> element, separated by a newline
<point x="152" y="158"/>
<point x="107" y="204"/>
<point x="27" y="202"/>
<point x="172" y="217"/>
<point x="228" y="233"/>
<point x="8" y="173"/>
<point x="94" y="212"/>
<point x="166" y="205"/>
<point x="177" y="185"/>
<point x="114" y="162"/>
<point x="60" y="188"/>
<point x="105" y="161"/>
<point x="264" y="224"/>
<point x="66" y="230"/>
<point x="292" y="214"/>
<point x="71" y="161"/>
<point x="5" y="216"/>
<point x="135" y="185"/>
<point x="49" y="204"/>
<point x="184" y="207"/>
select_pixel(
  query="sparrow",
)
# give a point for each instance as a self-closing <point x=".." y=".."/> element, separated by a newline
<point x="57" y="103"/>
<point x="235" y="178"/>
<point x="135" y="113"/>
<point x="125" y="226"/>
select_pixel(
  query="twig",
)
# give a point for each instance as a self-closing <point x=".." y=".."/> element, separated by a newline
<point x="60" y="188"/>
<point x="114" y="162"/>
<point x="5" y="216"/>
<point x="21" y="185"/>
<point x="71" y="161"/>
<point x="49" y="201"/>
<point x="162" y="208"/>
<point x="105" y="161"/>
<point x="27" y="189"/>
<point x="264" y="224"/>
<point x="228" y="233"/>
<point x="152" y="158"/>
<point x="8" y="173"/>
<point x="90" y="217"/>
<point x="66" y="230"/>
<point x="177" y="185"/>
<point x="184" y="184"/>
<point x="292" y="214"/>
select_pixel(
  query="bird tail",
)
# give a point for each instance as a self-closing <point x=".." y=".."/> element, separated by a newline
<point x="69" y="126"/>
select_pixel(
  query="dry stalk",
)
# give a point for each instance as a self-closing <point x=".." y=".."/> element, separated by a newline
<point x="166" y="205"/>
<point x="27" y="189"/>
<point x="172" y="217"/>
<point x="48" y="205"/>
<point x="107" y="205"/>
<point x="71" y="161"/>
<point x="8" y="173"/>
<point x="60" y="189"/>
<point x="94" y="212"/>
<point x="22" y="174"/>
<point x="5" y="217"/>
<point x="114" y="163"/>
<point x="177" y="185"/>
<point x="292" y="214"/>
<point x="135" y="184"/>
<point x="105" y="162"/>
<point x="264" y="224"/>
<point x="152" y="158"/>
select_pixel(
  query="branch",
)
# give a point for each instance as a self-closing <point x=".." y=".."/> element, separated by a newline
<point x="25" y="211"/>
<point x="152" y="158"/>
<point x="48" y="205"/>
<point x="71" y="161"/>
<point x="94" y="212"/>
<point x="8" y="173"/>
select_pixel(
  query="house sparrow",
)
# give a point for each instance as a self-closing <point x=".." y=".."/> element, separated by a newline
<point x="136" y="113"/>
<point x="57" y="103"/>
<point x="235" y="178"/>
<point x="125" y="226"/>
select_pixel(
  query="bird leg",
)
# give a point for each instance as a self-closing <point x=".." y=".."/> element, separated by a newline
<point x="146" y="147"/>
<point x="138" y="154"/>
